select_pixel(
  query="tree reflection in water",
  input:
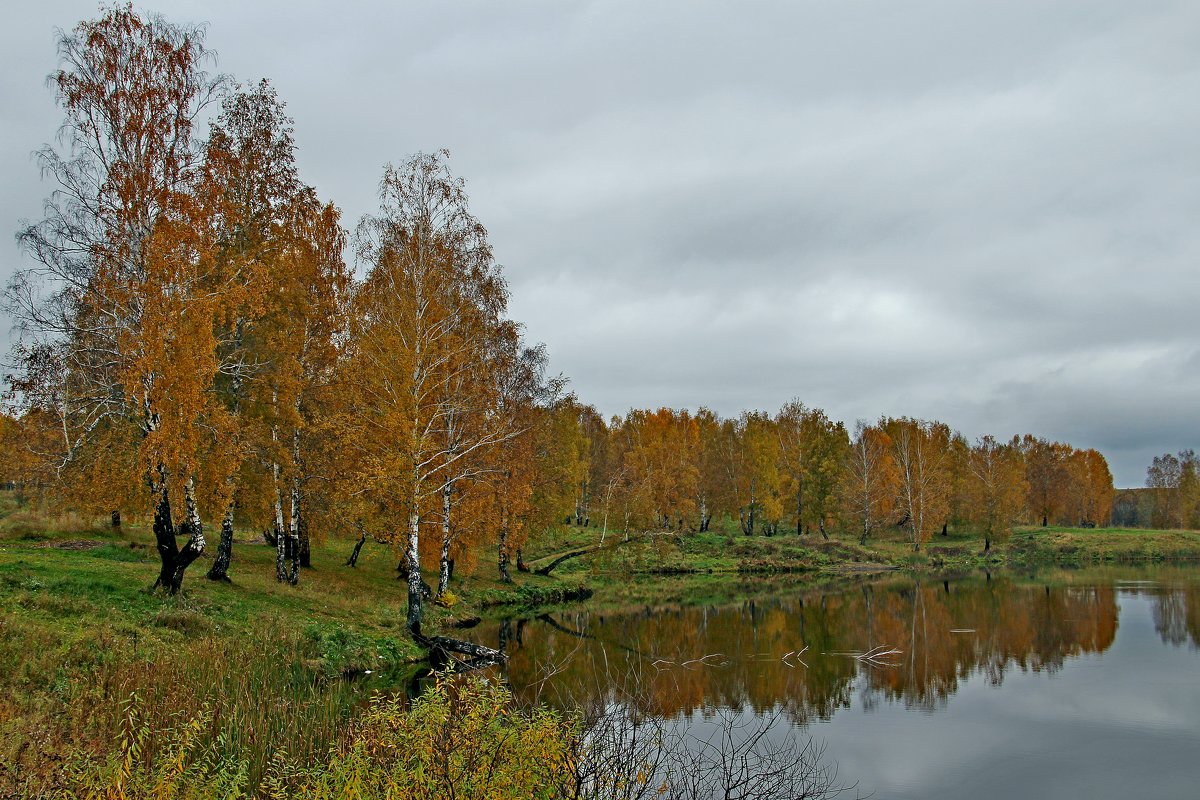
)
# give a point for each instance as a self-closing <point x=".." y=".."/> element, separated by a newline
<point x="677" y="661"/>
<point x="686" y="675"/>
<point x="1176" y="613"/>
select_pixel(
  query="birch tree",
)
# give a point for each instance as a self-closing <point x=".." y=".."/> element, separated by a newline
<point x="661" y="458"/>
<point x="811" y="453"/>
<point x="1091" y="494"/>
<point x="120" y="290"/>
<point x="1046" y="474"/>
<point x="540" y="466"/>
<point x="594" y="456"/>
<point x="869" y="482"/>
<point x="427" y="313"/>
<point x="996" y="487"/>
<point x="921" y="449"/>
<point x="298" y="340"/>
<point x="251" y="181"/>
<point x="756" y="472"/>
<point x="712" y="491"/>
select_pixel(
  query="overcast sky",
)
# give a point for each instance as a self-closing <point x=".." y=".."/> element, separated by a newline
<point x="986" y="213"/>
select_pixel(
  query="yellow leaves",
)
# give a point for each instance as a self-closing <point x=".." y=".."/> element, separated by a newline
<point x="659" y="457"/>
<point x="1065" y="484"/>
<point x="921" y="450"/>
<point x="461" y="738"/>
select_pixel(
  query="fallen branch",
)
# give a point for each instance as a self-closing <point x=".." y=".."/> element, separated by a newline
<point x="442" y="650"/>
<point x="565" y="557"/>
<point x="796" y="655"/>
<point x="876" y="656"/>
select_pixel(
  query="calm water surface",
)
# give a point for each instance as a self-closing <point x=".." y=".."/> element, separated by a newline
<point x="1065" y="685"/>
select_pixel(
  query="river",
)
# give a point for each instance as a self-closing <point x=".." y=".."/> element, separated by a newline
<point x="1063" y="684"/>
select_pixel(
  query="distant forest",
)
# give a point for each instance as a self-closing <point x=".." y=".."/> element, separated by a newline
<point x="1171" y="498"/>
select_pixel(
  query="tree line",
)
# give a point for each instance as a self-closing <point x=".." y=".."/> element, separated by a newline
<point x="800" y="471"/>
<point x="1170" y="499"/>
<point x="1018" y="626"/>
<point x="193" y="346"/>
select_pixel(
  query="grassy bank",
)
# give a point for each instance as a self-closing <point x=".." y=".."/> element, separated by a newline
<point x="86" y="646"/>
<point x="88" y="652"/>
<point x="726" y="564"/>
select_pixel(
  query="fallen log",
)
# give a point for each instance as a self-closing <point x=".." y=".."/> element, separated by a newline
<point x="442" y="651"/>
<point x="564" y="557"/>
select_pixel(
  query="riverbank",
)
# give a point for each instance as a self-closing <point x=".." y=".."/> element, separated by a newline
<point x="662" y="566"/>
<point x="85" y="645"/>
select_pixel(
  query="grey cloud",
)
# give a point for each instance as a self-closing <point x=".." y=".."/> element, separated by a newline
<point x="981" y="212"/>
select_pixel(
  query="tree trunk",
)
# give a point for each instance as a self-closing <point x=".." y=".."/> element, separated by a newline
<point x="821" y="526"/>
<point x="219" y="571"/>
<point x="194" y="532"/>
<point x="987" y="545"/>
<point x="305" y="541"/>
<point x="1045" y="520"/>
<point x="587" y="503"/>
<point x="503" y="547"/>
<point x="414" y="573"/>
<point x="293" y="535"/>
<point x="944" y="526"/>
<point x="748" y="519"/>
<point x="565" y="557"/>
<point x="352" y="561"/>
<point x="442" y="648"/>
<point x="279" y="529"/>
<point x="444" y="564"/>
<point x="164" y="537"/>
<point x="521" y="567"/>
<point x="862" y="540"/>
<point x="175" y="559"/>
<point x="116" y="518"/>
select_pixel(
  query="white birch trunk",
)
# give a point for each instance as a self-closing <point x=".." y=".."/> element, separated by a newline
<point x="414" y="572"/>
<point x="444" y="563"/>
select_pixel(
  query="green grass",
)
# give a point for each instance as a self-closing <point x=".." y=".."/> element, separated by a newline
<point x="1080" y="546"/>
<point x="714" y="564"/>
<point x="267" y="665"/>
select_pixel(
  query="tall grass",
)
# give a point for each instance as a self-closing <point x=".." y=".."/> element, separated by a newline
<point x="67" y="698"/>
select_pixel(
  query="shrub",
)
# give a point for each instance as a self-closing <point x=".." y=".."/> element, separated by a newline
<point x="459" y="739"/>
